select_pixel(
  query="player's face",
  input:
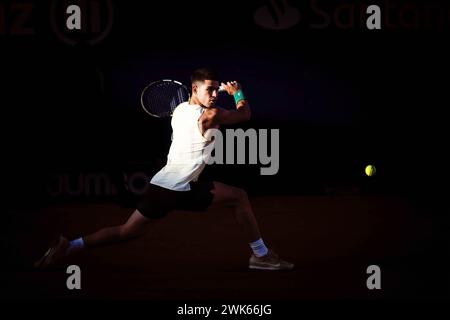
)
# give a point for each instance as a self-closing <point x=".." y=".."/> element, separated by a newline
<point x="207" y="92"/>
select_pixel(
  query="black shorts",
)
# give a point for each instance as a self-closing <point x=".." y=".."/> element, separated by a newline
<point x="158" y="201"/>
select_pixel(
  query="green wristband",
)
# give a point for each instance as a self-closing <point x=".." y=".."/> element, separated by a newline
<point x="238" y="96"/>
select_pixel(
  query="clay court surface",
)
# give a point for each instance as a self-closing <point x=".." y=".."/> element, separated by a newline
<point x="203" y="256"/>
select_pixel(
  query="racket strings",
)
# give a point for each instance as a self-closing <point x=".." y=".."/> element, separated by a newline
<point x="162" y="98"/>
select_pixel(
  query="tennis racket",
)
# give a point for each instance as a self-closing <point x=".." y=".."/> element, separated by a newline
<point x="160" y="98"/>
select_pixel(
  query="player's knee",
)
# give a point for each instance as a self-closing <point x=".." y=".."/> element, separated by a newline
<point x="130" y="233"/>
<point x="240" y="196"/>
<point x="124" y="233"/>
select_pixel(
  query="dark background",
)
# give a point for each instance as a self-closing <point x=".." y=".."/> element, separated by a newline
<point x="342" y="98"/>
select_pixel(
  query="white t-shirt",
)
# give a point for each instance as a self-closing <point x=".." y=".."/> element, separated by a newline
<point x="187" y="156"/>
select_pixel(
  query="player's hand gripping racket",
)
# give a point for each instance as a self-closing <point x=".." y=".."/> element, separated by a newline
<point x="160" y="98"/>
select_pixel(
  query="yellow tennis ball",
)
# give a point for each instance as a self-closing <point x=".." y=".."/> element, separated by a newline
<point x="370" y="170"/>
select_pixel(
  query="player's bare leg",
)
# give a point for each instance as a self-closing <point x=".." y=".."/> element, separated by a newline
<point x="262" y="258"/>
<point x="237" y="199"/>
<point x="135" y="226"/>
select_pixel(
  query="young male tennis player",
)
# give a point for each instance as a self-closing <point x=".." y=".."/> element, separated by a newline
<point x="177" y="187"/>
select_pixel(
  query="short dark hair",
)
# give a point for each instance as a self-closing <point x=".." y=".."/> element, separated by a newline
<point x="203" y="74"/>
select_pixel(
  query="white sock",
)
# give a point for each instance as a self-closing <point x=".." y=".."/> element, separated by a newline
<point x="259" y="248"/>
<point x="75" y="245"/>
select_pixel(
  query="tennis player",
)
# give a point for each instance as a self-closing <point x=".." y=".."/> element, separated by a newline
<point x="177" y="187"/>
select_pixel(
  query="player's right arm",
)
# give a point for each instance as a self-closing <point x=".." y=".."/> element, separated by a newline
<point x="218" y="116"/>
